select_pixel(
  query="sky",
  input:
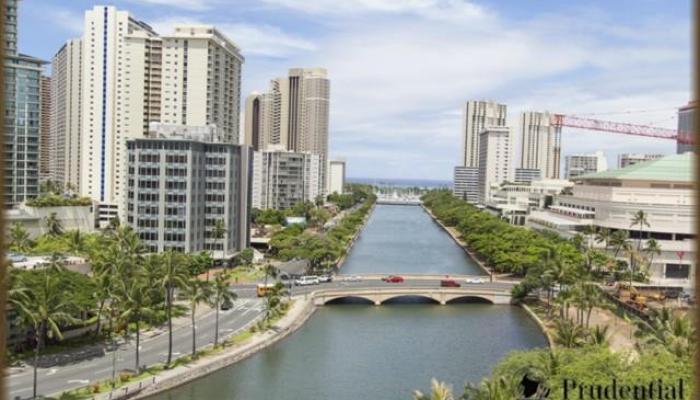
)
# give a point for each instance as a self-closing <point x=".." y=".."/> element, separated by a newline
<point x="401" y="70"/>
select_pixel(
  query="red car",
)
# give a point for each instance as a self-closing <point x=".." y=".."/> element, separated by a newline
<point x="449" y="283"/>
<point x="393" y="279"/>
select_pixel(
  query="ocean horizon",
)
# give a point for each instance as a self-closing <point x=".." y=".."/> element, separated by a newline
<point x="399" y="182"/>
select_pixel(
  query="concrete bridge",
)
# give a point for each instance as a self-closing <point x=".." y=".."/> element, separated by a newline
<point x="442" y="295"/>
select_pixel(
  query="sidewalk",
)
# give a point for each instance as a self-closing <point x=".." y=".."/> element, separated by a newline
<point x="620" y="332"/>
<point x="299" y="312"/>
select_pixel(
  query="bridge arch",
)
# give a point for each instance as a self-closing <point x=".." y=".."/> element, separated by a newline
<point x="382" y="297"/>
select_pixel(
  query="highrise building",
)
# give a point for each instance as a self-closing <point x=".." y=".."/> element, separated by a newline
<point x="22" y="116"/>
<point x="526" y="175"/>
<point x="477" y="116"/>
<point x="582" y="164"/>
<point x="495" y="159"/>
<point x="627" y="159"/>
<point x="540" y="144"/>
<point x="466" y="184"/>
<point x="283" y="178"/>
<point x="133" y="77"/>
<point x="336" y="176"/>
<point x="202" y="79"/>
<point x="66" y="96"/>
<point x="687" y="133"/>
<point x="112" y="104"/>
<point x="46" y="142"/>
<point x="293" y="114"/>
<point x="181" y="186"/>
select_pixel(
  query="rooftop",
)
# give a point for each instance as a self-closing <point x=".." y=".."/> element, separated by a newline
<point x="673" y="168"/>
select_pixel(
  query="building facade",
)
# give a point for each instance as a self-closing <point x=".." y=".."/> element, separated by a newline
<point x="627" y="159"/>
<point x="66" y="95"/>
<point x="581" y="164"/>
<point x="336" y="176"/>
<point x="46" y="142"/>
<point x="284" y="178"/>
<point x="526" y="175"/>
<point x="179" y="188"/>
<point x="662" y="188"/>
<point x="466" y="184"/>
<point x="22" y="116"/>
<point x="687" y="133"/>
<point x="495" y="159"/>
<point x="201" y="79"/>
<point x="111" y="105"/>
<point x="293" y="114"/>
<point x="477" y="115"/>
<point x="540" y="144"/>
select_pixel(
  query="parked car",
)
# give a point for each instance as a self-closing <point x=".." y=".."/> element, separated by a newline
<point x="393" y="279"/>
<point x="325" y="278"/>
<point x="449" y="283"/>
<point x="307" y="280"/>
<point x="475" y="280"/>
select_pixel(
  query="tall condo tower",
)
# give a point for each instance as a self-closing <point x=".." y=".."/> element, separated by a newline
<point x="477" y="116"/>
<point x="66" y="95"/>
<point x="540" y="144"/>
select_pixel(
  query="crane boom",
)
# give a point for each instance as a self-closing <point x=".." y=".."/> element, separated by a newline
<point x="570" y="121"/>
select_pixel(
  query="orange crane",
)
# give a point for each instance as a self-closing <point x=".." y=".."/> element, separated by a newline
<point x="571" y="121"/>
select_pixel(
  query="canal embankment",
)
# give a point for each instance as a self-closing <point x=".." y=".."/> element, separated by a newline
<point x="454" y="234"/>
<point x="352" y="241"/>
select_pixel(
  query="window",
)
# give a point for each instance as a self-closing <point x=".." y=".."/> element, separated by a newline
<point x="677" y="271"/>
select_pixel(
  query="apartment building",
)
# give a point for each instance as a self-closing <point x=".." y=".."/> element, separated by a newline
<point x="477" y="115"/>
<point x="495" y="159"/>
<point x="293" y="114"/>
<point x="22" y="116"/>
<point x="66" y="96"/>
<point x="581" y="164"/>
<point x="181" y="184"/>
<point x="540" y="144"/>
<point x="627" y="159"/>
<point x="284" y="178"/>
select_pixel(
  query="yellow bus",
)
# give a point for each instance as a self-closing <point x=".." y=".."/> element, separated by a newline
<point x="263" y="289"/>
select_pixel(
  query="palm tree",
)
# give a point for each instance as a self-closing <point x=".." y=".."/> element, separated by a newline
<point x="53" y="225"/>
<point x="44" y="310"/>
<point x="640" y="219"/>
<point x="438" y="391"/>
<point x="222" y="294"/>
<point x="135" y="306"/>
<point x="599" y="335"/>
<point x="652" y="247"/>
<point x="76" y="241"/>
<point x="174" y="275"/>
<point x="568" y="334"/>
<point x="674" y="333"/>
<point x="197" y="292"/>
<point x="603" y="236"/>
<point x="19" y="238"/>
<point x="618" y="239"/>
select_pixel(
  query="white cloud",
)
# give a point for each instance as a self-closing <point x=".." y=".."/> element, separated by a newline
<point x="192" y="5"/>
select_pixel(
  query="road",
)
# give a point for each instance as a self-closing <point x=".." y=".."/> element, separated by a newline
<point x="153" y="350"/>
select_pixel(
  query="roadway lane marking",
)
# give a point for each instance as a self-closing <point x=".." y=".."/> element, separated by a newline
<point x="80" y="381"/>
<point x="51" y="371"/>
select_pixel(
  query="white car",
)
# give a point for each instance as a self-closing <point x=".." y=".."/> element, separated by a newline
<point x="475" y="280"/>
<point x="353" y="278"/>
<point x="307" y="280"/>
<point x="325" y="278"/>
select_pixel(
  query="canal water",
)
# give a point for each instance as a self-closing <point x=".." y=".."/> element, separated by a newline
<point x="357" y="351"/>
<point x="405" y="239"/>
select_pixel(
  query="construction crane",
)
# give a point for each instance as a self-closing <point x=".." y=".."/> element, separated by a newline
<point x="570" y="121"/>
